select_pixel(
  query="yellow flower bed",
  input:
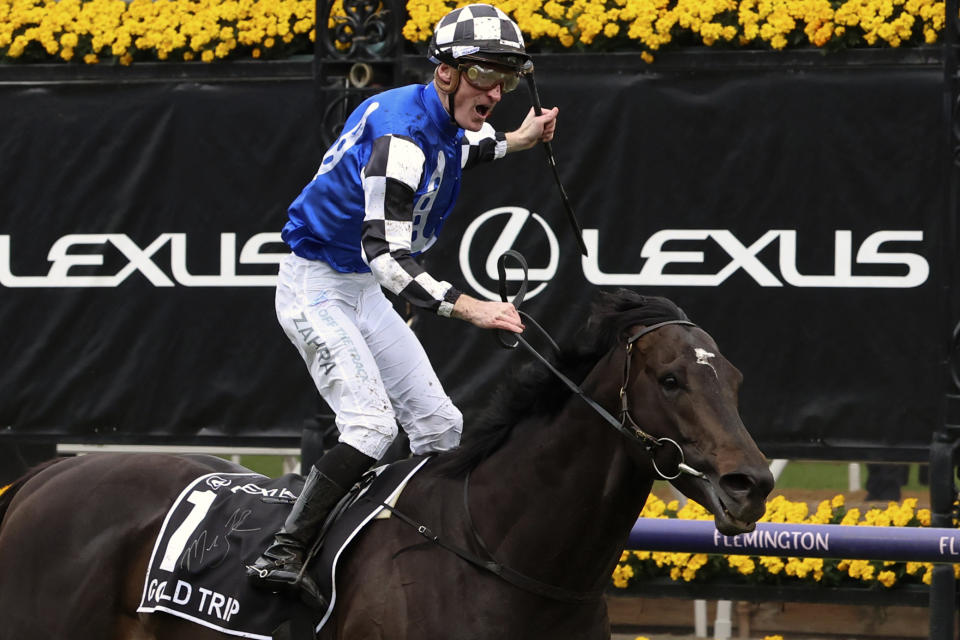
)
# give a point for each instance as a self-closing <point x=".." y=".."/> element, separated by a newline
<point x="688" y="567"/>
<point x="208" y="30"/>
<point x="650" y="25"/>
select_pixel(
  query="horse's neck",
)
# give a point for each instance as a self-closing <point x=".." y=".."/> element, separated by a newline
<point x="565" y="494"/>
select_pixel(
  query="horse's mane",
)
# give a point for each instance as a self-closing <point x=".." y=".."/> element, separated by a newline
<point x="533" y="390"/>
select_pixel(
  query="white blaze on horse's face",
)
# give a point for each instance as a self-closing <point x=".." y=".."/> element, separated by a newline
<point x="703" y="357"/>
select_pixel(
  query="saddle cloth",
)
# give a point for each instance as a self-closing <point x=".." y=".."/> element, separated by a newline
<point x="221" y="522"/>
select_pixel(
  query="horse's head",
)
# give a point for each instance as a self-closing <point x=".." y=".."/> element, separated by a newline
<point x="681" y="387"/>
<point x="679" y="393"/>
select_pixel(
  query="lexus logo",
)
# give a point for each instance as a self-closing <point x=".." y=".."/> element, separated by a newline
<point x="505" y="241"/>
<point x="215" y="482"/>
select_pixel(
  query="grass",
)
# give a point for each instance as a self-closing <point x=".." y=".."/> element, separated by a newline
<point x="270" y="466"/>
<point x="806" y="474"/>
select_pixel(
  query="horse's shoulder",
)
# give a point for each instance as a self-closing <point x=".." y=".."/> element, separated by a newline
<point x="432" y="496"/>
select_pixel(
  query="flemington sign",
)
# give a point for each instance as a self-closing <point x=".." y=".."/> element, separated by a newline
<point x="907" y="544"/>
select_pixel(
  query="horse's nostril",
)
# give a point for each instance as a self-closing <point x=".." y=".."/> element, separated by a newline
<point x="745" y="483"/>
<point x="736" y="483"/>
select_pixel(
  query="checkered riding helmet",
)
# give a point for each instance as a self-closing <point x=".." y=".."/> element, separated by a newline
<point x="478" y="32"/>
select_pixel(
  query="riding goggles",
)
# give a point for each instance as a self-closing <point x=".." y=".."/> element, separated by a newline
<point x="486" y="78"/>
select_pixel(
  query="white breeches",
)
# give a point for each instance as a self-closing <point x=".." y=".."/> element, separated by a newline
<point x="365" y="361"/>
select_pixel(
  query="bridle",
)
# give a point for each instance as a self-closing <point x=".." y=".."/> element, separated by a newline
<point x="626" y="425"/>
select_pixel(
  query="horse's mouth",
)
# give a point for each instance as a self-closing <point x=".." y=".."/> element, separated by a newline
<point x="729" y="525"/>
<point x="738" y="517"/>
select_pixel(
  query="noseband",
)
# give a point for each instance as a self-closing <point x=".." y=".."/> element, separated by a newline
<point x="626" y="425"/>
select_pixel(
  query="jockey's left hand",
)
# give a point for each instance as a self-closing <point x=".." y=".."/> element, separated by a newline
<point x="533" y="129"/>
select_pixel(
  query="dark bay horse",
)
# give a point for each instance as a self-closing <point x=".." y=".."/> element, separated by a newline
<point x="554" y="490"/>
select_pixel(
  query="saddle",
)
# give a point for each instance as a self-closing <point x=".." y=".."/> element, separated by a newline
<point x="222" y="521"/>
<point x="363" y="503"/>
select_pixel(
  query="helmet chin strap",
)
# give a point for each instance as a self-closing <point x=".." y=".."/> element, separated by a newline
<point x="450" y="88"/>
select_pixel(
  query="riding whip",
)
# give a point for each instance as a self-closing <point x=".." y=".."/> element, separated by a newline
<point x="552" y="161"/>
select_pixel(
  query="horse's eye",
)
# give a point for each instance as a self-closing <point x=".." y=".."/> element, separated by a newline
<point x="670" y="382"/>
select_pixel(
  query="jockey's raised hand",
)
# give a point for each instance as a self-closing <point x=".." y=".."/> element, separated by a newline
<point x="533" y="129"/>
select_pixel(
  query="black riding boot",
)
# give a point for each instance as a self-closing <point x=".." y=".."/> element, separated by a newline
<point x="279" y="567"/>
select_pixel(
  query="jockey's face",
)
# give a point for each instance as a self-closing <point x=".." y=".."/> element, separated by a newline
<point x="471" y="105"/>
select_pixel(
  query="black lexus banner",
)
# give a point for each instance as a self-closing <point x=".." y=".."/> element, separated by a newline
<point x="797" y="217"/>
<point x="138" y="251"/>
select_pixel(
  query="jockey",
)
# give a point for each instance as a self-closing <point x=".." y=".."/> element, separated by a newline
<point x="379" y="199"/>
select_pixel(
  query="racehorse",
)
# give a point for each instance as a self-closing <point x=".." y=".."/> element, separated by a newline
<point x="544" y="492"/>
